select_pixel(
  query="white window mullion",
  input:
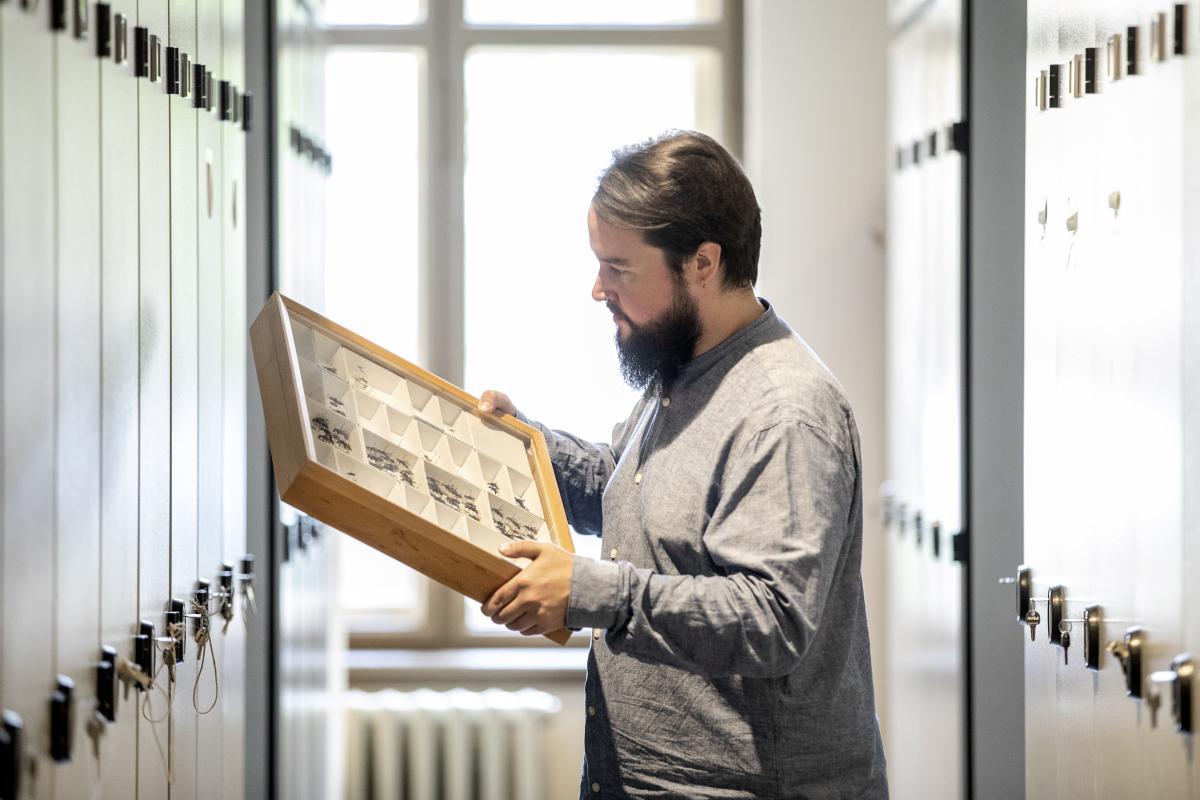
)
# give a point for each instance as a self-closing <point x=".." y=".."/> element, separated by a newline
<point x="441" y="281"/>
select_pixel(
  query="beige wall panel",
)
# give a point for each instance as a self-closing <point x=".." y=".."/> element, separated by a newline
<point x="77" y="411"/>
<point x="184" y="390"/>
<point x="210" y="213"/>
<point x="27" y="333"/>
<point x="154" y="182"/>
<point x="119" y="423"/>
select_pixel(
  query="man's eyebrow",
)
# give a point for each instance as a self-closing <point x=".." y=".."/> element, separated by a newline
<point x="614" y="260"/>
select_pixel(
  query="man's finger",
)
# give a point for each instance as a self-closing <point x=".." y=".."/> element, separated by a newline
<point x="523" y="623"/>
<point x="500" y="598"/>
<point x="491" y="400"/>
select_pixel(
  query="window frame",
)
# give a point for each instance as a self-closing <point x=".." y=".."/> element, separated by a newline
<point x="443" y="40"/>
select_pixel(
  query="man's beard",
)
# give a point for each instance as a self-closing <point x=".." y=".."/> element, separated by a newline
<point x="661" y="347"/>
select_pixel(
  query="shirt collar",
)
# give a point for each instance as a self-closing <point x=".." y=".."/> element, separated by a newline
<point x="734" y="341"/>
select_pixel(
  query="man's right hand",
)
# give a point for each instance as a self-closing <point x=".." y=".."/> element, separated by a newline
<point x="493" y="402"/>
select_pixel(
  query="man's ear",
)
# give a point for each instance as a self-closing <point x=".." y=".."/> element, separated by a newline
<point x="708" y="262"/>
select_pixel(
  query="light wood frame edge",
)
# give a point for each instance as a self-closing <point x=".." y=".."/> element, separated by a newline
<point x="304" y="483"/>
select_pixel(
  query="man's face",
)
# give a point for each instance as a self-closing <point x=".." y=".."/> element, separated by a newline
<point x="657" y="321"/>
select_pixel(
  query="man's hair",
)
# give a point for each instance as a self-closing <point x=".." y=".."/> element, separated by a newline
<point x="681" y="189"/>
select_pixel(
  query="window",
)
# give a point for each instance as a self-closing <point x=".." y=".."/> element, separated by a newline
<point x="468" y="137"/>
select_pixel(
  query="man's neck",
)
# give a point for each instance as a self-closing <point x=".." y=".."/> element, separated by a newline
<point x="734" y="311"/>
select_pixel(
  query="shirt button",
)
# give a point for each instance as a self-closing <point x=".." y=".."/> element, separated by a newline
<point x="666" y="401"/>
<point x="597" y="633"/>
<point x="595" y="787"/>
<point x="591" y="711"/>
<point x="612" y="554"/>
<point x="637" y="478"/>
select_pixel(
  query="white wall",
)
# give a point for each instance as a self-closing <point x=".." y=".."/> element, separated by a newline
<point x="815" y="112"/>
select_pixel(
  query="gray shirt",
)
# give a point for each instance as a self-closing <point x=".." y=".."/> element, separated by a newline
<point x="730" y="656"/>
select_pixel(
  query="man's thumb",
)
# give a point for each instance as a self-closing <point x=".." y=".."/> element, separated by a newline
<point x="522" y="549"/>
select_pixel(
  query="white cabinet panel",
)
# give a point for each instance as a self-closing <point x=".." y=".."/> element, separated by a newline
<point x="154" y="528"/>
<point x="77" y="411"/>
<point x="119" y="424"/>
<point x="27" y="336"/>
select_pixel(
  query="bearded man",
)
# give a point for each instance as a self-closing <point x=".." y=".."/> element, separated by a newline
<point x="729" y="654"/>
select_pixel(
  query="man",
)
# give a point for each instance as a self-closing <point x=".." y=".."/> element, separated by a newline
<point x="730" y="656"/>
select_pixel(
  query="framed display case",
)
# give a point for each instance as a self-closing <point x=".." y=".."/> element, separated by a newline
<point x="398" y="458"/>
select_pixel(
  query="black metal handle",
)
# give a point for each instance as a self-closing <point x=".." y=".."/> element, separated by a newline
<point x="62" y="715"/>
<point x="143" y="648"/>
<point x="106" y="684"/>
<point x="10" y="756"/>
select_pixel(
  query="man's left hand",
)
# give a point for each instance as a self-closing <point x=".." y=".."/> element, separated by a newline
<point x="535" y="600"/>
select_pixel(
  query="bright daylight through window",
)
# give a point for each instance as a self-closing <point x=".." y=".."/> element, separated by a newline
<point x="545" y="90"/>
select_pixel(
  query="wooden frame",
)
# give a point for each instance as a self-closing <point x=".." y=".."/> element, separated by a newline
<point x="398" y="458"/>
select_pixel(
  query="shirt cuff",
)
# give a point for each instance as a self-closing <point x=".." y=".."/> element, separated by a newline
<point x="595" y="586"/>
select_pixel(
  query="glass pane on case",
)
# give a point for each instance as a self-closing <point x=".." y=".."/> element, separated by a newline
<point x="590" y="12"/>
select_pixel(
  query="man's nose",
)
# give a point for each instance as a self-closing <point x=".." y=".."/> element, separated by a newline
<point x="598" y="291"/>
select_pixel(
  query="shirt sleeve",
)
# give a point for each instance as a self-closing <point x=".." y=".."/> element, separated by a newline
<point x="582" y="470"/>
<point x="777" y="537"/>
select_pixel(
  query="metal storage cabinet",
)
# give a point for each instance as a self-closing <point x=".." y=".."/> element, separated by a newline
<point x="926" y="657"/>
<point x="76" y="413"/>
<point x="1107" y="488"/>
<point x="234" y="348"/>
<point x="120" y="418"/>
<point x="190" y="777"/>
<point x="212" y="367"/>
<point x="27" y="336"/>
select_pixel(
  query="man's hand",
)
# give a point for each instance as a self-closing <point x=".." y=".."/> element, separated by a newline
<point x="535" y="600"/>
<point x="495" y="402"/>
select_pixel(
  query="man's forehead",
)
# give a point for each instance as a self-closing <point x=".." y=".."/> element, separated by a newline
<point x="613" y="243"/>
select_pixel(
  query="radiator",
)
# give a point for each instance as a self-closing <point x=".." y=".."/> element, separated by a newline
<point x="454" y="745"/>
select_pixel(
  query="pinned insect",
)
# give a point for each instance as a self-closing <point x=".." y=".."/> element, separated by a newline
<point x="512" y="528"/>
<point x="383" y="460"/>
<point x="337" y="437"/>
<point x="493" y="487"/>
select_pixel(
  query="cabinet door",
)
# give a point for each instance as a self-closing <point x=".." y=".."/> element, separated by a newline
<point x="184" y="387"/>
<point x="924" y="664"/>
<point x="210" y="363"/>
<point x="1105" y="443"/>
<point x="154" y="501"/>
<point x="235" y="343"/>
<point x="77" y="410"/>
<point x="119" y="423"/>
<point x="27" y="334"/>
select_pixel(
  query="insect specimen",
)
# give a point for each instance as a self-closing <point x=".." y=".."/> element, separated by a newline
<point x="512" y="528"/>
<point x="493" y="487"/>
<point x="383" y="460"/>
<point x="320" y="428"/>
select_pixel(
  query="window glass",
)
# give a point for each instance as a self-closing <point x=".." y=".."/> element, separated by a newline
<point x="589" y="12"/>
<point x="373" y="12"/>
<point x="371" y="256"/>
<point x="532" y="328"/>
